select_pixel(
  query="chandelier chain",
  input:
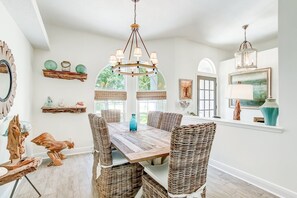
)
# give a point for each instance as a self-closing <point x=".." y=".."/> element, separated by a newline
<point x="135" y="42"/>
<point x="143" y="44"/>
<point x="134" y="12"/>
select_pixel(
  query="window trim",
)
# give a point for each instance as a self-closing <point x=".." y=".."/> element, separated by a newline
<point x="200" y="77"/>
<point x="211" y="64"/>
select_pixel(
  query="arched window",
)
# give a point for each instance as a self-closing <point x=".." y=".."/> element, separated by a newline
<point x="110" y="92"/>
<point x="107" y="80"/>
<point x="151" y="95"/>
<point x="207" y="88"/>
<point x="206" y="66"/>
<point x="151" y="83"/>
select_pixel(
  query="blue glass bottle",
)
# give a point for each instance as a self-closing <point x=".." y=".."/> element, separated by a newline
<point x="133" y="123"/>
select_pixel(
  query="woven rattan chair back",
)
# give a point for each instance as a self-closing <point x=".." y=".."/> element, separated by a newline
<point x="111" y="115"/>
<point x="96" y="144"/>
<point x="101" y="139"/>
<point x="154" y="118"/>
<point x="170" y="120"/>
<point x="189" y="154"/>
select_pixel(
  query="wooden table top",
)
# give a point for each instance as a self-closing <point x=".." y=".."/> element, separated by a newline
<point x="145" y="144"/>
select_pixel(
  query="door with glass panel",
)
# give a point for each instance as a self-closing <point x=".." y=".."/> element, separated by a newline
<point x="206" y="96"/>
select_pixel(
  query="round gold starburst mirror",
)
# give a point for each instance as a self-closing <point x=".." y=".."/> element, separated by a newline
<point x="7" y="79"/>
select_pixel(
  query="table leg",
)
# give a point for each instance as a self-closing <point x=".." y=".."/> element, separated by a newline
<point x="14" y="187"/>
<point x="33" y="186"/>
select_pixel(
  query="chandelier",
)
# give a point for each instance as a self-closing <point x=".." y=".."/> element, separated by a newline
<point x="246" y="56"/>
<point x="124" y="63"/>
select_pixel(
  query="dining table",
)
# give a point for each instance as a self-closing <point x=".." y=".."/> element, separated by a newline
<point x="147" y="143"/>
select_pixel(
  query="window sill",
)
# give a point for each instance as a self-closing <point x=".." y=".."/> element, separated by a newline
<point x="234" y="123"/>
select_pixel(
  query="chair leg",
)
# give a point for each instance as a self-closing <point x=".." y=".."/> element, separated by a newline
<point x="203" y="194"/>
<point x="95" y="164"/>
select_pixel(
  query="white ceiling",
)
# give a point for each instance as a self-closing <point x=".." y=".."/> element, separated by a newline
<point x="27" y="16"/>
<point x="213" y="22"/>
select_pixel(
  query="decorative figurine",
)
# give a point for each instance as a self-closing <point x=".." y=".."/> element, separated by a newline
<point x="49" y="102"/>
<point x="80" y="104"/>
<point x="16" y="145"/>
<point x="54" y="147"/>
<point x="184" y="104"/>
<point x="66" y="66"/>
<point x="61" y="103"/>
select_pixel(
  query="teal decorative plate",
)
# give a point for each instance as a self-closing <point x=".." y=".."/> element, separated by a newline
<point x="81" y="69"/>
<point x="50" y="65"/>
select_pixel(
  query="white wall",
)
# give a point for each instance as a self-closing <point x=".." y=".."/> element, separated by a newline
<point x="287" y="147"/>
<point x="22" y="51"/>
<point x="79" y="48"/>
<point x="188" y="56"/>
<point x="178" y="58"/>
<point x="268" y="58"/>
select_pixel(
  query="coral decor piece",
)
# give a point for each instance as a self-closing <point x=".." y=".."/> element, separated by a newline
<point x="236" y="112"/>
<point x="16" y="145"/>
<point x="184" y="104"/>
<point x="55" y="147"/>
<point x="80" y="104"/>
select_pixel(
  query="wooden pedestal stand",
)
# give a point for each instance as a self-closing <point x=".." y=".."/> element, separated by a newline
<point x="22" y="171"/>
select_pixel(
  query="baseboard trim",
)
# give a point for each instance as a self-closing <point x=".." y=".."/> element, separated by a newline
<point x="256" y="181"/>
<point x="75" y="151"/>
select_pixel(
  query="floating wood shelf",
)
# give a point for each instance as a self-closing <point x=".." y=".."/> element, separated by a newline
<point x="65" y="75"/>
<point x="64" y="109"/>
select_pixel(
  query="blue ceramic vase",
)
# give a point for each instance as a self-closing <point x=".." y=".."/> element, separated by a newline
<point x="133" y="123"/>
<point x="270" y="111"/>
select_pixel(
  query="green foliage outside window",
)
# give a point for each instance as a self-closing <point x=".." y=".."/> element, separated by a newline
<point x="109" y="80"/>
<point x="147" y="83"/>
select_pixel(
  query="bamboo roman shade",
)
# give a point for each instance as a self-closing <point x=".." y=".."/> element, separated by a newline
<point x="110" y="95"/>
<point x="151" y="95"/>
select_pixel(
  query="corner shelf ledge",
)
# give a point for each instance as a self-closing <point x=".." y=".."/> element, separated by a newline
<point x="64" y="109"/>
<point x="65" y="75"/>
<point x="234" y="123"/>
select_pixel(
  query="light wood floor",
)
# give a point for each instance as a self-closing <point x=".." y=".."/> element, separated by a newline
<point x="73" y="180"/>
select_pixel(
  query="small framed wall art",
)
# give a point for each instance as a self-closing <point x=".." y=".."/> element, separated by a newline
<point x="185" y="89"/>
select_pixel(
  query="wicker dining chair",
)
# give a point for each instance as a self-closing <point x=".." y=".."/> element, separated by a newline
<point x="117" y="177"/>
<point x="154" y="118"/>
<point x="111" y="115"/>
<point x="188" y="161"/>
<point x="170" y="120"/>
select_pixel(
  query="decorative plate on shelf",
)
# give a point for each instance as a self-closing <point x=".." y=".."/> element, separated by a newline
<point x="3" y="171"/>
<point x="50" y="65"/>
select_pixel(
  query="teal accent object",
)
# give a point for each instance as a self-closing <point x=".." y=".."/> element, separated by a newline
<point x="50" y="65"/>
<point x="81" y="69"/>
<point x="133" y="123"/>
<point x="270" y="111"/>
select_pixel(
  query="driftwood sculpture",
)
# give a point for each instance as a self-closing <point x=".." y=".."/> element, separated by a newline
<point x="16" y="144"/>
<point x="54" y="147"/>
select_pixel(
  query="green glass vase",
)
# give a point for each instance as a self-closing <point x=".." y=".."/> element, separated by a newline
<point x="81" y="69"/>
<point x="50" y="65"/>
